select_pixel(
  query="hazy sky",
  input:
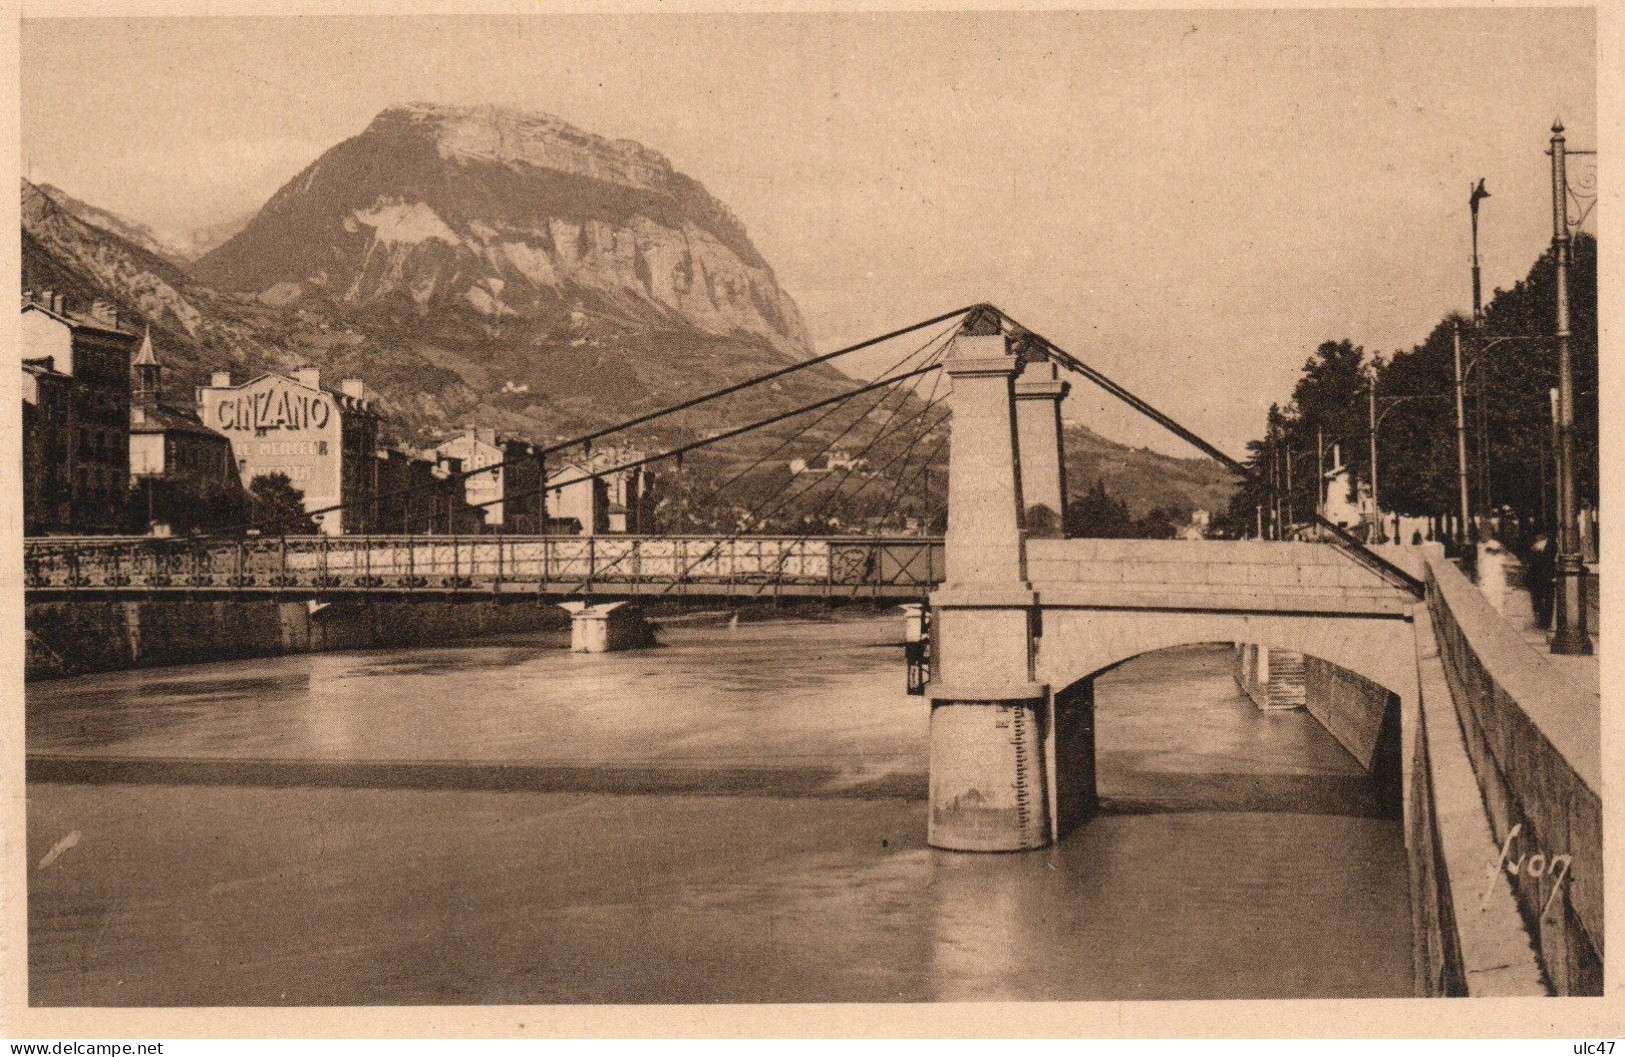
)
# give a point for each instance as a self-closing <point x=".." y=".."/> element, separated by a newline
<point x="1191" y="201"/>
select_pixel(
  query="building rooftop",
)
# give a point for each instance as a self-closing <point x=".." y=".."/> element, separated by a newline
<point x="76" y="320"/>
<point x="304" y="377"/>
<point x="42" y="365"/>
<point x="145" y="356"/>
<point x="166" y="418"/>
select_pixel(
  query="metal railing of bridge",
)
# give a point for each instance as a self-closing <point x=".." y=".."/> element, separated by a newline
<point x="554" y="566"/>
<point x="664" y="564"/>
<point x="754" y="557"/>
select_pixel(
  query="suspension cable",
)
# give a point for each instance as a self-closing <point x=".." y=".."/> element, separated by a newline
<point x="757" y="512"/>
<point x="726" y="435"/>
<point x="931" y="402"/>
<point x="885" y="427"/>
<point x="846" y="473"/>
<point x="684" y="405"/>
<point x="754" y="512"/>
<point x="586" y="439"/>
<point x="1349" y="543"/>
<point x="714" y="492"/>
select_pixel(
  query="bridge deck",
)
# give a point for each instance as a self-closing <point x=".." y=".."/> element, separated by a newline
<point x="1110" y="574"/>
<point x="562" y="566"/>
<point x="1211" y="575"/>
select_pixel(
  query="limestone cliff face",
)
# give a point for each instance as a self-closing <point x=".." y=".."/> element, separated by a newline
<point x="512" y="217"/>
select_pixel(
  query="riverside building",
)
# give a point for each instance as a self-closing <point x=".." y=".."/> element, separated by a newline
<point x="420" y="493"/>
<point x="323" y="439"/>
<point x="167" y="441"/>
<point x="76" y="394"/>
<point x="47" y="450"/>
<point x="504" y="482"/>
<point x="595" y="497"/>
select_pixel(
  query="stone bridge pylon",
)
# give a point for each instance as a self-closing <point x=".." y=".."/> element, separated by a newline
<point x="1021" y="626"/>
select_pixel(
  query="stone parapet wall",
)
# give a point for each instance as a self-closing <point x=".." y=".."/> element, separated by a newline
<point x="1435" y="949"/>
<point x="1532" y="733"/>
<point x="1468" y="939"/>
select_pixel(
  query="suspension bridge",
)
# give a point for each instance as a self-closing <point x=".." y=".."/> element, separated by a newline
<point x="1491" y="741"/>
<point x="895" y="426"/>
<point x="829" y="534"/>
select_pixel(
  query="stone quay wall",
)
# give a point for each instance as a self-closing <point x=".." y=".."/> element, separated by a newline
<point x="1363" y="716"/>
<point x="1351" y="708"/>
<point x="76" y="638"/>
<point x="1468" y="936"/>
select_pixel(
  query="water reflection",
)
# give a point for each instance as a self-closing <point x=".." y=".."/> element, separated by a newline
<point x="827" y="696"/>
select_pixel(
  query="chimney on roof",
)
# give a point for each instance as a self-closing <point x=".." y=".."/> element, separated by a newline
<point x="354" y="388"/>
<point x="220" y="380"/>
<point x="310" y="377"/>
<point x="47" y="300"/>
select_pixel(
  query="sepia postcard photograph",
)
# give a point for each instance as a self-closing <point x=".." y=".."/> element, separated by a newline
<point x="822" y="509"/>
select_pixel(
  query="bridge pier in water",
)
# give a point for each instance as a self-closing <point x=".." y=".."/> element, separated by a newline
<point x="1022" y="624"/>
<point x="604" y="627"/>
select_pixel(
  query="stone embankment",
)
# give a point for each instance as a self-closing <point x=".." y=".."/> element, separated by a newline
<point x="74" y="638"/>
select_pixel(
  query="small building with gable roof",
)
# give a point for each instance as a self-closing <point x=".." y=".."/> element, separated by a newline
<point x="504" y="479"/>
<point x="167" y="440"/>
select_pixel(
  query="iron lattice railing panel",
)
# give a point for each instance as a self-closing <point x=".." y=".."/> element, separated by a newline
<point x="754" y="565"/>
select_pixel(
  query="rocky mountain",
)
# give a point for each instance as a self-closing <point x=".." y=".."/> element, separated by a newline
<point x="200" y="240"/>
<point x="475" y="266"/>
<point x="479" y="266"/>
<point x="510" y="218"/>
<point x="65" y="251"/>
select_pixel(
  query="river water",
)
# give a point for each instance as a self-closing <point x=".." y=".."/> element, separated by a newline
<point x="735" y="816"/>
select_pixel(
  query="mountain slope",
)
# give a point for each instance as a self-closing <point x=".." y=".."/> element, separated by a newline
<point x="509" y="217"/>
<point x="1144" y="479"/>
<point x="88" y="256"/>
<point x="133" y="232"/>
<point x="199" y="241"/>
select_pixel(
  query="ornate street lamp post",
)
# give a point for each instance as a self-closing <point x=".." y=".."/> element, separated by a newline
<point x="1463" y="534"/>
<point x="1476" y="195"/>
<point x="1569" y="635"/>
<point x="1378" y="535"/>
